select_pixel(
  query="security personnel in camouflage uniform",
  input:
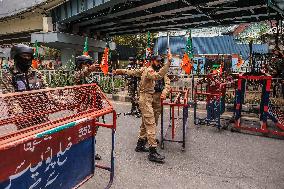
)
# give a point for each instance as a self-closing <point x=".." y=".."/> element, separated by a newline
<point x="162" y="87"/>
<point x="21" y="76"/>
<point x="146" y="103"/>
<point x="133" y="88"/>
<point x="84" y="67"/>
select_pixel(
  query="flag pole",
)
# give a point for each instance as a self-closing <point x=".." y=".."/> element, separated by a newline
<point x="168" y="40"/>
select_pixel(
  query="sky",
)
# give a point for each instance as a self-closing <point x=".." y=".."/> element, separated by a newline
<point x="9" y="7"/>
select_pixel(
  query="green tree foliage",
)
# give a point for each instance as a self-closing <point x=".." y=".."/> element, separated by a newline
<point x="138" y="41"/>
<point x="51" y="53"/>
<point x="254" y="32"/>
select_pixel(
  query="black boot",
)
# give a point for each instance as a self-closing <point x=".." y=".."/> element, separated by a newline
<point x="140" y="147"/>
<point x="155" y="156"/>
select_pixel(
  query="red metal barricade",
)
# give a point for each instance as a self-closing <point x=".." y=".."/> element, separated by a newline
<point x="213" y="88"/>
<point x="45" y="135"/>
<point x="266" y="110"/>
<point x="178" y="99"/>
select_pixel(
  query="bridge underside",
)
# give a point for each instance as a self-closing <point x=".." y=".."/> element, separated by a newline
<point x="116" y="17"/>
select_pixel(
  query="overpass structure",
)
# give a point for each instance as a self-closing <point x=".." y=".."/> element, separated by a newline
<point x="19" y="19"/>
<point x="116" y="17"/>
<point x="56" y="22"/>
<point x="25" y="21"/>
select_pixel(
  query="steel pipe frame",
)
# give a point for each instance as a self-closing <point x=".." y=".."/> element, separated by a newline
<point x="170" y="22"/>
<point x="106" y="23"/>
<point x="218" y="97"/>
<point x="24" y="134"/>
<point x="177" y="103"/>
<point x="12" y="139"/>
<point x="263" y="127"/>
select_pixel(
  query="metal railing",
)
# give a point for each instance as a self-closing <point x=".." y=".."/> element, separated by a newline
<point x="114" y="83"/>
<point x="108" y="83"/>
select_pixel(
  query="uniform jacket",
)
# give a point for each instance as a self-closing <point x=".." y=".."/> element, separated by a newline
<point x="14" y="81"/>
<point x="149" y="77"/>
<point x="84" y="77"/>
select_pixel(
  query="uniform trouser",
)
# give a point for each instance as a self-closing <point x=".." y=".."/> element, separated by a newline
<point x="150" y="106"/>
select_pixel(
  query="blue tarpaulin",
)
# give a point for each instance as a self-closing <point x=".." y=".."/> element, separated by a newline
<point x="208" y="45"/>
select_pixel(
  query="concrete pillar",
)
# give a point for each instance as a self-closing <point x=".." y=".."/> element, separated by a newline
<point x="68" y="56"/>
<point x="47" y="24"/>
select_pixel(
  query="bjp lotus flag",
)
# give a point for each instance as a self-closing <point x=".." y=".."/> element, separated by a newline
<point x="35" y="63"/>
<point x="185" y="64"/>
<point x="148" y="52"/>
<point x="221" y="70"/>
<point x="36" y="56"/>
<point x="104" y="63"/>
<point x="188" y="55"/>
<point x="147" y="63"/>
<point x="221" y="67"/>
<point x="148" y="48"/>
<point x="86" y="49"/>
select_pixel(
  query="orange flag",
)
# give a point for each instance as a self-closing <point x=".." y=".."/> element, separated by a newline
<point x="35" y="64"/>
<point x="104" y="63"/>
<point x="185" y="64"/>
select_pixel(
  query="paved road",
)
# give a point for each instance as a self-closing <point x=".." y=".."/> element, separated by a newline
<point x="213" y="160"/>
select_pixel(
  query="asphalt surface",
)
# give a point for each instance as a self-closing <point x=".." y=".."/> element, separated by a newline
<point x="213" y="160"/>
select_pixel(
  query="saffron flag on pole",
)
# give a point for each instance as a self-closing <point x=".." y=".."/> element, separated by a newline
<point x="240" y="62"/>
<point x="104" y="62"/>
<point x="148" y="48"/>
<point x="189" y="48"/>
<point x="186" y="64"/>
<point x="221" y="66"/>
<point x="35" y="60"/>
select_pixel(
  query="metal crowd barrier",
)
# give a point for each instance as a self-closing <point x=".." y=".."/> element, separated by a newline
<point x="178" y="100"/>
<point x="47" y="137"/>
<point x="109" y="83"/>
<point x="212" y="91"/>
